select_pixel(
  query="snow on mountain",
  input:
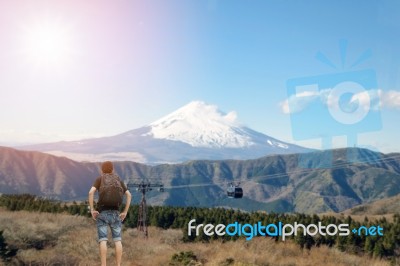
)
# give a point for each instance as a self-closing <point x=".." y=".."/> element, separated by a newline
<point x="201" y="125"/>
<point x="193" y="132"/>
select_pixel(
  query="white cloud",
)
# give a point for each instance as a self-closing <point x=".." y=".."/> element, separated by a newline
<point x="231" y="117"/>
<point x="363" y="99"/>
<point x="371" y="99"/>
<point x="378" y="99"/>
<point x="284" y="106"/>
<point x="101" y="157"/>
<point x="390" y="99"/>
<point x="12" y="137"/>
<point x="298" y="102"/>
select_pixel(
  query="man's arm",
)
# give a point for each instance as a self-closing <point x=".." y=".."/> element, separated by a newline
<point x="91" y="203"/>
<point x="127" y="204"/>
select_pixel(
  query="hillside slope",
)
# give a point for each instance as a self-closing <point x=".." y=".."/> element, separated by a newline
<point x="71" y="240"/>
<point x="43" y="174"/>
<point x="274" y="183"/>
<point x="380" y="207"/>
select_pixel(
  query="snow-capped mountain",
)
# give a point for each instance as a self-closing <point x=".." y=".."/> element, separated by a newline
<point x="201" y="125"/>
<point x="194" y="131"/>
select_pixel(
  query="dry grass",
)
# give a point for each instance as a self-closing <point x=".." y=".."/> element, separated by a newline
<point x="379" y="207"/>
<point x="70" y="240"/>
<point x="384" y="208"/>
<point x="359" y="218"/>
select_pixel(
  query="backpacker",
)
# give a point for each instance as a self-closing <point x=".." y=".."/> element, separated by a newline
<point x="110" y="192"/>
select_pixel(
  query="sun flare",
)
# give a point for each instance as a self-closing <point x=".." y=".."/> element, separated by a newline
<point x="47" y="43"/>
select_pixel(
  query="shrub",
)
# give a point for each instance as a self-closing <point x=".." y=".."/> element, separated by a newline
<point x="183" y="258"/>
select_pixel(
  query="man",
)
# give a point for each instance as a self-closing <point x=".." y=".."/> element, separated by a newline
<point x="111" y="190"/>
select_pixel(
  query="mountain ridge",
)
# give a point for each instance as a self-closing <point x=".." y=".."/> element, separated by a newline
<point x="271" y="183"/>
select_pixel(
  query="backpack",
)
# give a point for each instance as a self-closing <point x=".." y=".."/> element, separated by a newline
<point x="111" y="192"/>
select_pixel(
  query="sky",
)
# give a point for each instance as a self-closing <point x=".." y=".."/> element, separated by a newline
<point x="80" y="69"/>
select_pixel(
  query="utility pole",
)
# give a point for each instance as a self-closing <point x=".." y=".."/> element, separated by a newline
<point x="144" y="187"/>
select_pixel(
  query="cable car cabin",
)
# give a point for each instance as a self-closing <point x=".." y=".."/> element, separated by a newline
<point x="234" y="192"/>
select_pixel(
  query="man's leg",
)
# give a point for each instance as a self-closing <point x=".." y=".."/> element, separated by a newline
<point x="102" y="236"/>
<point x="118" y="252"/>
<point x="103" y="252"/>
<point x="116" y="227"/>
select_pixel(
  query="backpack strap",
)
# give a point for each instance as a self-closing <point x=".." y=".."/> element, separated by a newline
<point x="101" y="180"/>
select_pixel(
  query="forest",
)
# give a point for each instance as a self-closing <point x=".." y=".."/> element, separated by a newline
<point x="166" y="217"/>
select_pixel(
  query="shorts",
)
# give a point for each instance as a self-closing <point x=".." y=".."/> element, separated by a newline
<point x="105" y="219"/>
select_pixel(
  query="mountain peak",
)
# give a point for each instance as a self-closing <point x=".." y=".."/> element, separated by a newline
<point x="196" y="105"/>
<point x="197" y="130"/>
<point x="201" y="125"/>
<point x="200" y="110"/>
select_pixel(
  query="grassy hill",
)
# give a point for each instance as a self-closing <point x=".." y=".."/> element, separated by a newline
<point x="373" y="211"/>
<point x="384" y="206"/>
<point x="51" y="239"/>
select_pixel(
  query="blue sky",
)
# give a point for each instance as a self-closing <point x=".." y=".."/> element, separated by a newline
<point x="74" y="69"/>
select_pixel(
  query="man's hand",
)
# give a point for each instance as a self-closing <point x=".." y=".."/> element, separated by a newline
<point x="128" y="203"/>
<point x="94" y="214"/>
<point x="122" y="216"/>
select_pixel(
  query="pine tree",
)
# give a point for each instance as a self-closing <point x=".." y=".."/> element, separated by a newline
<point x="369" y="245"/>
<point x="2" y="245"/>
<point x="5" y="252"/>
<point x="378" y="250"/>
<point x="300" y="239"/>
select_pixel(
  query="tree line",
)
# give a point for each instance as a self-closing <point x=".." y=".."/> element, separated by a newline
<point x="385" y="246"/>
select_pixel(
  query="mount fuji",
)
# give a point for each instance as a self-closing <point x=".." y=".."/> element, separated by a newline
<point x="194" y="131"/>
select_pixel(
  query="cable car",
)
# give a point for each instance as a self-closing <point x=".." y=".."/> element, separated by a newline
<point x="234" y="191"/>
